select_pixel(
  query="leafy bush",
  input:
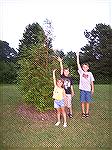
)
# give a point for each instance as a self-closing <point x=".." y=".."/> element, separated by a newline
<point x="35" y="77"/>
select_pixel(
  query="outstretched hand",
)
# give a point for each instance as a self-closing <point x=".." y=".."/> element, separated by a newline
<point x="54" y="70"/>
<point x="60" y="59"/>
<point x="77" y="53"/>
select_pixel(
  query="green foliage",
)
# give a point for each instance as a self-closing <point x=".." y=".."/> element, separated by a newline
<point x="8" y="72"/>
<point x="70" y="62"/>
<point x="36" y="61"/>
<point x="35" y="78"/>
<point x="6" y="52"/>
<point x="8" y="68"/>
<point x="33" y="35"/>
<point x="99" y="52"/>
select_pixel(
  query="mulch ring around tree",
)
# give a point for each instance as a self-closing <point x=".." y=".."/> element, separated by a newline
<point x="31" y="113"/>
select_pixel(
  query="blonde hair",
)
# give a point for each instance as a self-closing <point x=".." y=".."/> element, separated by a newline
<point x="61" y="81"/>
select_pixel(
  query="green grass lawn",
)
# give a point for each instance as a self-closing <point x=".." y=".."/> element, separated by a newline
<point x="20" y="133"/>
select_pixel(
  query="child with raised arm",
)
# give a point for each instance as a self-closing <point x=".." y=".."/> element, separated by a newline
<point x="59" y="96"/>
<point x="86" y="86"/>
<point x="68" y="86"/>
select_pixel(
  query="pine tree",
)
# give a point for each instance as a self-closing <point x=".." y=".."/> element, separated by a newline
<point x="35" y="73"/>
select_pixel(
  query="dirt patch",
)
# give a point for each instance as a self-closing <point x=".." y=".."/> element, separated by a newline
<point x="29" y="112"/>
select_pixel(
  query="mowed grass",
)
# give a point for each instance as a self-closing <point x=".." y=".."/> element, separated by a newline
<point x="19" y="133"/>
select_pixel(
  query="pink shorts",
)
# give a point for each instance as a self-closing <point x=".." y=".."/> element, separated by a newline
<point x="67" y="102"/>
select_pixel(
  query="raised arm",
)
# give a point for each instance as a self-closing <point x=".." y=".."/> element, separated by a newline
<point x="78" y="63"/>
<point x="54" y="77"/>
<point x="61" y="65"/>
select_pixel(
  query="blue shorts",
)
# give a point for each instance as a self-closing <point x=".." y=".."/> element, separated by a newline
<point x="58" y="103"/>
<point x="85" y="96"/>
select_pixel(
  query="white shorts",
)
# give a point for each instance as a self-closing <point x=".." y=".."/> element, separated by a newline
<point x="58" y="103"/>
<point x="68" y="101"/>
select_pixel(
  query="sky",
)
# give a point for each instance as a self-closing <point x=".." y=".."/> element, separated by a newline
<point x="70" y="18"/>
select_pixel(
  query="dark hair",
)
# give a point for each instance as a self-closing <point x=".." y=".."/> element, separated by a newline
<point x="85" y="64"/>
<point x="66" y="68"/>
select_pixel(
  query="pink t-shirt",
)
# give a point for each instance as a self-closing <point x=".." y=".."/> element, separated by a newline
<point x="85" y="80"/>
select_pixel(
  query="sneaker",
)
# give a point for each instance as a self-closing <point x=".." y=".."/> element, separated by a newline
<point x="87" y="115"/>
<point x="70" y="115"/>
<point x="57" y="124"/>
<point x="83" y="115"/>
<point x="65" y="125"/>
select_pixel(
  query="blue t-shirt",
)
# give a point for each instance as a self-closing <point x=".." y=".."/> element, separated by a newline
<point x="68" y="81"/>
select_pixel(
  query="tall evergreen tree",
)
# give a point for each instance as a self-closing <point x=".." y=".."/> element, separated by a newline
<point x="36" y="64"/>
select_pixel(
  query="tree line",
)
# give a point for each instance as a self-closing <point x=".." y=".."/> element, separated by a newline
<point x="8" y="63"/>
<point x="31" y="67"/>
<point x="97" y="52"/>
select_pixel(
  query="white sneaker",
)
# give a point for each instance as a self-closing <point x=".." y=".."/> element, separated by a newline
<point x="57" y="124"/>
<point x="65" y="125"/>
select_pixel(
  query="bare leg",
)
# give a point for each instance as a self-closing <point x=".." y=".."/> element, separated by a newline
<point x="70" y="110"/>
<point x="83" y="110"/>
<point x="70" y="106"/>
<point x="58" y="114"/>
<point x="66" y="109"/>
<point x="87" y="108"/>
<point x="64" y="114"/>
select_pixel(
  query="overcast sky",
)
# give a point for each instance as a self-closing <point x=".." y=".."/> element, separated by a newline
<point x="69" y="18"/>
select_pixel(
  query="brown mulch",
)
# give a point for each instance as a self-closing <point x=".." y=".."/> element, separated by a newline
<point x="30" y="112"/>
